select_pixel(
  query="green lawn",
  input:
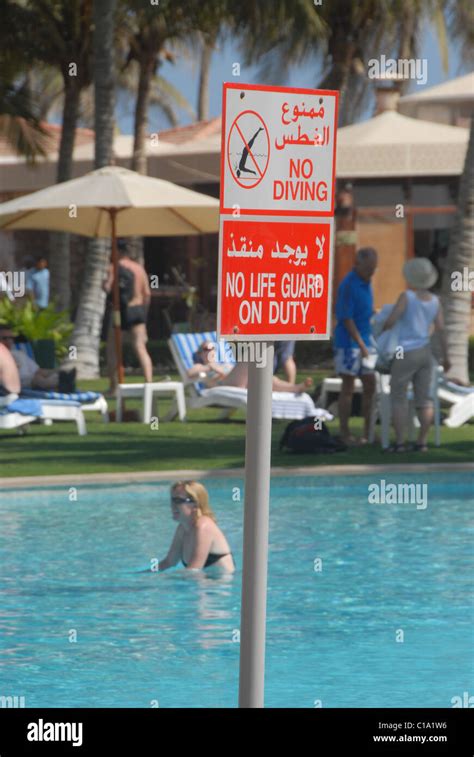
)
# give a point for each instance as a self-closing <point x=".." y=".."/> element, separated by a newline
<point x="202" y="442"/>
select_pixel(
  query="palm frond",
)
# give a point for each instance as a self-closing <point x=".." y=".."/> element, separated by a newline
<point x="27" y="138"/>
<point x="163" y="90"/>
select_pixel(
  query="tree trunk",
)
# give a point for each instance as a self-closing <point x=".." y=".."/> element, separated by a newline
<point x="407" y="37"/>
<point x="104" y="80"/>
<point x="457" y="304"/>
<point x="59" y="256"/>
<point x="139" y="159"/>
<point x="135" y="245"/>
<point x="204" y="74"/>
<point x="90" y="313"/>
<point x="337" y="77"/>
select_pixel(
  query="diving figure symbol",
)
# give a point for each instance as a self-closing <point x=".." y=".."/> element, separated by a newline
<point x="245" y="154"/>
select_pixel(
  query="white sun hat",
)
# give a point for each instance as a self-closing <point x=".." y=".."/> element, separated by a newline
<point x="420" y="273"/>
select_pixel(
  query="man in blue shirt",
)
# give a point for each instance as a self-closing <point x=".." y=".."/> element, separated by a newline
<point x="37" y="282"/>
<point x="354" y="351"/>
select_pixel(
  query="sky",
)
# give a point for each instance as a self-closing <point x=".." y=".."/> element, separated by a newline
<point x="184" y="76"/>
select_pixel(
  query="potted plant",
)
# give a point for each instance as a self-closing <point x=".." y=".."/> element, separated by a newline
<point x="46" y="329"/>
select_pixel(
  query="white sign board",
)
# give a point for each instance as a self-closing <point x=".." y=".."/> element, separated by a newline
<point x="279" y="151"/>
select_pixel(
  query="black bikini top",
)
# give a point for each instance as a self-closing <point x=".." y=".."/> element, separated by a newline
<point x="211" y="559"/>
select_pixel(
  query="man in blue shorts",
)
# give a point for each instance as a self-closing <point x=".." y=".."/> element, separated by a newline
<point x="284" y="360"/>
<point x="354" y="351"/>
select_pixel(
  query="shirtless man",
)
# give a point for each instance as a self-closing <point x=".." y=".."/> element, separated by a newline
<point x="134" y="322"/>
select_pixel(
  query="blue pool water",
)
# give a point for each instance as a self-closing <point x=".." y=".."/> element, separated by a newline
<point x="171" y="638"/>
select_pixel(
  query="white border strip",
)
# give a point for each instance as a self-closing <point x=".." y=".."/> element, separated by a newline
<point x="22" y="482"/>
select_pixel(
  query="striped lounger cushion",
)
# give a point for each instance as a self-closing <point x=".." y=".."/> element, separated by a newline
<point x="284" y="404"/>
<point x="82" y="397"/>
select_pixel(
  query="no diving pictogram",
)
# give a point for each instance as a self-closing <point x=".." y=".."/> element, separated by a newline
<point x="248" y="149"/>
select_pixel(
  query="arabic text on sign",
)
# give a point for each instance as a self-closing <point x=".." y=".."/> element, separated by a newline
<point x="317" y="140"/>
<point x="297" y="113"/>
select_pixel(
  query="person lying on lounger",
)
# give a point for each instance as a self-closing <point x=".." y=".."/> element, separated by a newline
<point x="9" y="376"/>
<point x="213" y="374"/>
<point x="198" y="541"/>
<point x="31" y="375"/>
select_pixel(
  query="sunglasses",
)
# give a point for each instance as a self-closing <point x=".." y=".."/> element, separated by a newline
<point x="182" y="500"/>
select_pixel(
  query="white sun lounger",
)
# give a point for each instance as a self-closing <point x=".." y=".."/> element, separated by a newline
<point x="89" y="401"/>
<point x="461" y="399"/>
<point x="284" y="404"/>
<point x="52" y="410"/>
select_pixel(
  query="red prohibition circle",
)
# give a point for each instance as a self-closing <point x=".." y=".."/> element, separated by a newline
<point x="236" y="178"/>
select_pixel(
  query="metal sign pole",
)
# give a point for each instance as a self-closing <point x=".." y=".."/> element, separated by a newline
<point x="256" y="525"/>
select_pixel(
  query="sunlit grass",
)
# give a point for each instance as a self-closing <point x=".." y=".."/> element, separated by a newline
<point x="203" y="441"/>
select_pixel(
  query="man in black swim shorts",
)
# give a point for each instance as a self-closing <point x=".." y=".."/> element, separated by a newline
<point x="133" y="316"/>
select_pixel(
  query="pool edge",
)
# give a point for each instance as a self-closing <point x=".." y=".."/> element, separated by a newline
<point x="143" y="476"/>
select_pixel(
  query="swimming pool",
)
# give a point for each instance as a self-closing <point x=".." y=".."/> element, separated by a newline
<point x="345" y="578"/>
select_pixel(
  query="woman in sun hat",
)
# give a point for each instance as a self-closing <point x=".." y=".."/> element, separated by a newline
<point x="419" y="313"/>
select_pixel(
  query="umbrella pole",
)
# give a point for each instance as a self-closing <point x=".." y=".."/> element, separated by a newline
<point x="116" y="300"/>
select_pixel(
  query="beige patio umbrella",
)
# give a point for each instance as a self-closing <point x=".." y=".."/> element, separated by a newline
<point x="114" y="202"/>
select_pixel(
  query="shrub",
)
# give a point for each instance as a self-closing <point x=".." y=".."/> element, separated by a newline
<point x="34" y="324"/>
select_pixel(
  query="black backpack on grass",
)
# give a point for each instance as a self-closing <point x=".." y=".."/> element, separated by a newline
<point x="308" y="436"/>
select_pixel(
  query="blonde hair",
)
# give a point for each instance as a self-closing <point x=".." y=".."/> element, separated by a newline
<point x="199" y="494"/>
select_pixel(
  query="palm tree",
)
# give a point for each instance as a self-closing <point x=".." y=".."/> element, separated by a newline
<point x="164" y="96"/>
<point x="340" y="35"/>
<point x="457" y="302"/>
<point x="18" y="123"/>
<point x="20" y="120"/>
<point x="60" y="36"/>
<point x="87" y="327"/>
<point x="214" y="18"/>
<point x="208" y="45"/>
<point x="148" y="30"/>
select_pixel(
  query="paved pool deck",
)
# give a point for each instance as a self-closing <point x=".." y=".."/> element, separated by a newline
<point x="21" y="482"/>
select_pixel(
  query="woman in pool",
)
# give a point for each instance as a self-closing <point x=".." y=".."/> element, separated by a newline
<point x="198" y="541"/>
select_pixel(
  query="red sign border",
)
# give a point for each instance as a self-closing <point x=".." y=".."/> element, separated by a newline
<point x="254" y="112"/>
<point x="285" y="337"/>
<point x="290" y="90"/>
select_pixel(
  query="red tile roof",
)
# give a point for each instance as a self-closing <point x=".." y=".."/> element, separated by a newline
<point x="83" y="136"/>
<point x="191" y="132"/>
<point x="178" y="135"/>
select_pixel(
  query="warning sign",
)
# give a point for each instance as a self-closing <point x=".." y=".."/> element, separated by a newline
<point x="280" y="151"/>
<point x="274" y="279"/>
<point x="277" y="207"/>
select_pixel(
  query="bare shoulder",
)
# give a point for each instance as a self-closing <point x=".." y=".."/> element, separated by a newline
<point x="205" y="523"/>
